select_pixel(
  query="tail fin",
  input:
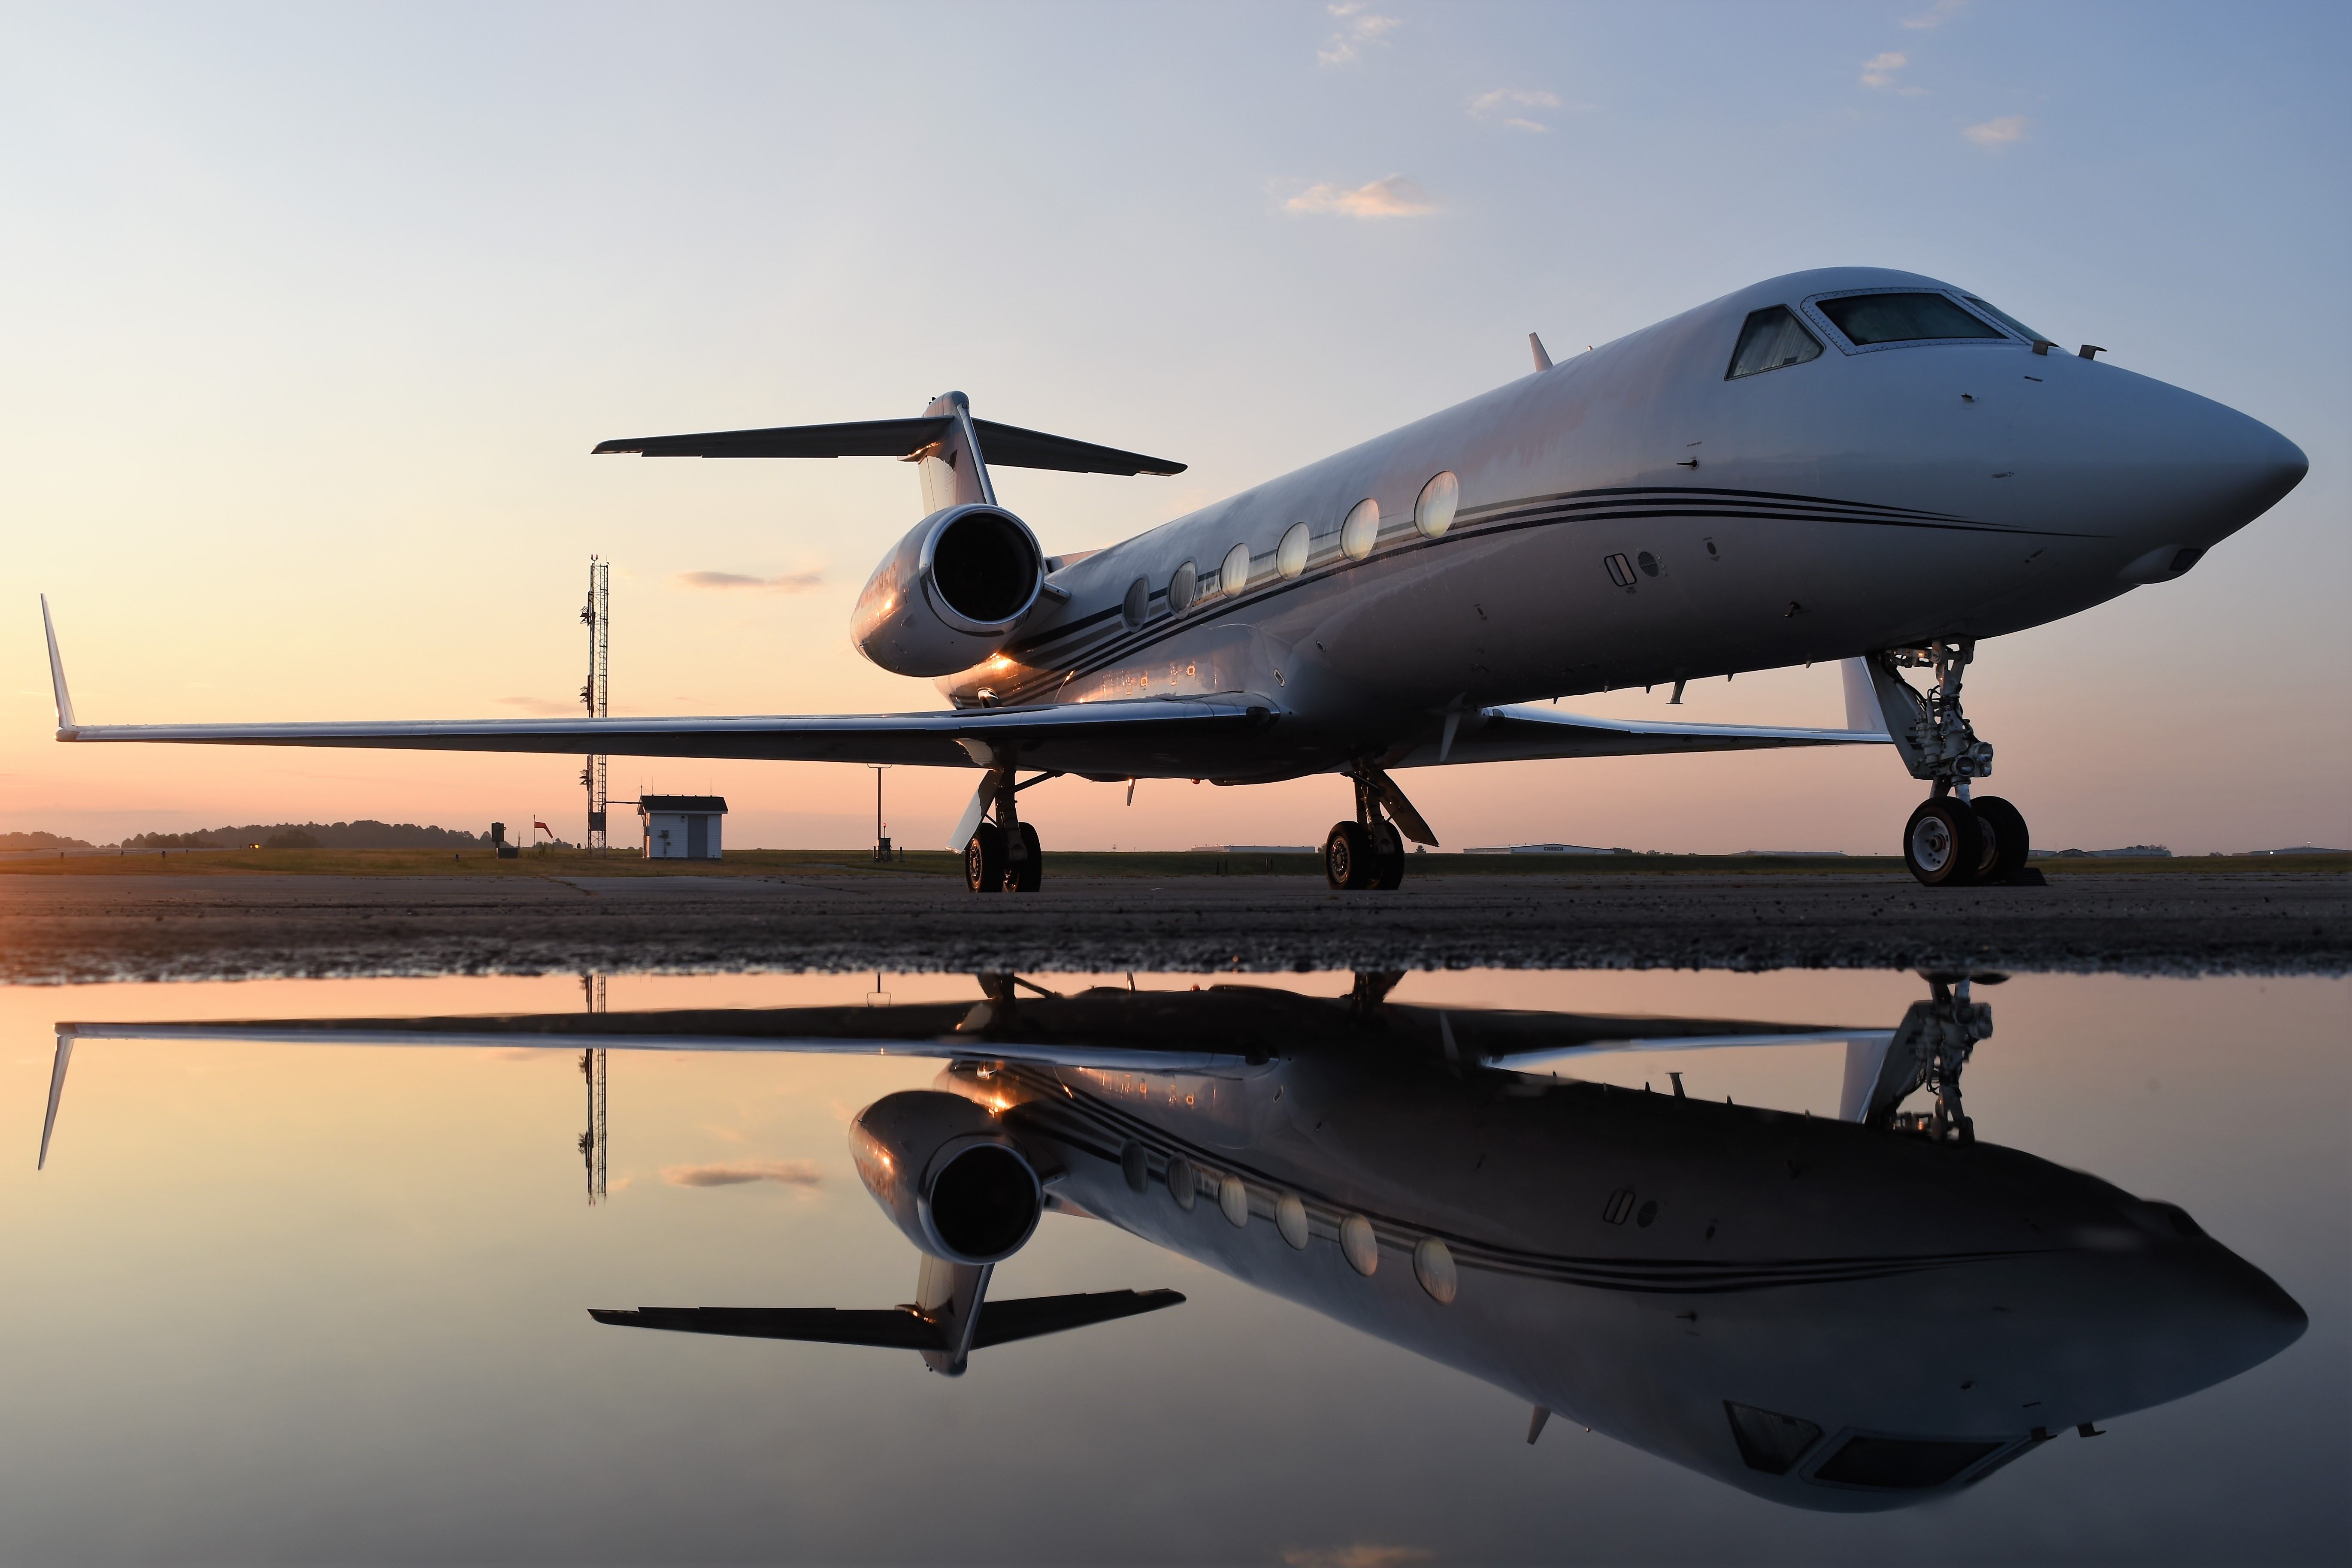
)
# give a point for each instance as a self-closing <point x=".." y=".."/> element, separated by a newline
<point x="953" y="471"/>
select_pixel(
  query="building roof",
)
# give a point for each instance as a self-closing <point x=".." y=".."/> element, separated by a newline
<point x="711" y="804"/>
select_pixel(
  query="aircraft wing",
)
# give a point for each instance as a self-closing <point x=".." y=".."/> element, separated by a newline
<point x="1047" y="736"/>
<point x="1525" y="733"/>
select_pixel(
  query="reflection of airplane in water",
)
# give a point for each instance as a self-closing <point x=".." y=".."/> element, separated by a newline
<point x="1850" y="1313"/>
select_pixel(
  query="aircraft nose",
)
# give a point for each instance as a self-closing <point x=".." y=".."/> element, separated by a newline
<point x="2181" y="472"/>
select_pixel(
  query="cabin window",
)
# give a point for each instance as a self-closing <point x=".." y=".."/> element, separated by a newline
<point x="1184" y="587"/>
<point x="2006" y="319"/>
<point x="1290" y="560"/>
<point x="1235" y="575"/>
<point x="1433" y="512"/>
<point x="1361" y="531"/>
<point x="1867" y="318"/>
<point x="1772" y="338"/>
<point x="1139" y="601"/>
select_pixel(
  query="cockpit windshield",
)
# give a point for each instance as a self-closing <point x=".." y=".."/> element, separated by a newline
<point x="2006" y="319"/>
<point x="1867" y="318"/>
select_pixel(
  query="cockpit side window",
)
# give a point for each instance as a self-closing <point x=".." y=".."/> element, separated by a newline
<point x="1901" y="1464"/>
<point x="1770" y="1441"/>
<point x="2006" y="319"/>
<point x="1773" y="338"/>
<point x="1867" y="318"/>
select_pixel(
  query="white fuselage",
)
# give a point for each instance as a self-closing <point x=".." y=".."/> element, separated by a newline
<point x="1873" y="497"/>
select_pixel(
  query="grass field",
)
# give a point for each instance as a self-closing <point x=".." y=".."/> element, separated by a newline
<point x="1061" y="864"/>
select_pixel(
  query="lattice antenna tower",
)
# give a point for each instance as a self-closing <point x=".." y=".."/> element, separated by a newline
<point x="597" y="615"/>
<point x="593" y="1141"/>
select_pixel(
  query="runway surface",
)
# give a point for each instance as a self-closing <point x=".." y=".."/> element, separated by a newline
<point x="66" y="928"/>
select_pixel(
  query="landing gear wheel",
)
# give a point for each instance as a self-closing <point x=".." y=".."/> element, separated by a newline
<point x="1942" y="842"/>
<point x="984" y="859"/>
<point x="1388" y="858"/>
<point x="1348" y="856"/>
<point x="1025" y="875"/>
<point x="2006" y="842"/>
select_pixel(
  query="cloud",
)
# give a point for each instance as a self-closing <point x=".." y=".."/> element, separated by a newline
<point x="1363" y="1554"/>
<point x="1879" y="70"/>
<point x="1358" y="29"/>
<point x="1495" y="108"/>
<point x="1936" y="16"/>
<point x="539" y="705"/>
<point x="1395" y="196"/>
<point x="2006" y="132"/>
<point x="789" y="583"/>
<point x="801" y="1174"/>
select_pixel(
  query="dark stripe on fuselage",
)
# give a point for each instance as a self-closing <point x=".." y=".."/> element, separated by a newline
<point x="1568" y="507"/>
<point x="1102" y="1128"/>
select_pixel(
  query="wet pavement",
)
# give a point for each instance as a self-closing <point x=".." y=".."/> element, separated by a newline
<point x="66" y="928"/>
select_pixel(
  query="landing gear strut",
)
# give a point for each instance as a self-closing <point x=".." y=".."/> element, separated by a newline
<point x="1370" y="851"/>
<point x="1930" y="1047"/>
<point x="1952" y="841"/>
<point x="1004" y="855"/>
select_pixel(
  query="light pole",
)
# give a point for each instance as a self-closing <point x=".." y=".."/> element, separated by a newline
<point x="881" y="839"/>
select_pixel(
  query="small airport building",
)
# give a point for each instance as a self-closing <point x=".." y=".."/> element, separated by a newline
<point x="682" y="826"/>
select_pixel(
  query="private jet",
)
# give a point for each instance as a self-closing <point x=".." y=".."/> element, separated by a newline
<point x="1849" y="1313"/>
<point x="1850" y="465"/>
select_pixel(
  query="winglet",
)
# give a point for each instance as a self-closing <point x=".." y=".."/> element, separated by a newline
<point x="1863" y="712"/>
<point x="57" y="1093"/>
<point x="1543" y="360"/>
<point x="66" y="725"/>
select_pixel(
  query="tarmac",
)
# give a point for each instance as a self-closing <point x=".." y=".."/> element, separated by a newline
<point x="69" y="927"/>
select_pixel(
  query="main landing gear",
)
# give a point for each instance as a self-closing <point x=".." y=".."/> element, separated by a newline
<point x="1004" y="855"/>
<point x="1370" y="851"/>
<point x="1954" y="838"/>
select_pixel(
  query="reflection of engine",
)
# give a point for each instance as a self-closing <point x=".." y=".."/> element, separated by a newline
<point x="943" y="1169"/>
<point x="950" y="592"/>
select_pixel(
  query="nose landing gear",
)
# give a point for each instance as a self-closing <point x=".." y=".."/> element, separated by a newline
<point x="1951" y="840"/>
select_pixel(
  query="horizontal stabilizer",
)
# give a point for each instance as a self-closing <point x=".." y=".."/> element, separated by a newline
<point x="1001" y="1322"/>
<point x="1003" y="446"/>
<point x="897" y="1328"/>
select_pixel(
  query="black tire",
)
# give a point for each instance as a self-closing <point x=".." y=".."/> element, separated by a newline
<point x="1388" y="858"/>
<point x="2008" y="844"/>
<point x="1348" y="855"/>
<point x="1027" y="875"/>
<point x="984" y="859"/>
<point x="1941" y="843"/>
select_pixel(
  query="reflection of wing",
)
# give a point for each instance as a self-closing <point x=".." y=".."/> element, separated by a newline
<point x="749" y="1031"/>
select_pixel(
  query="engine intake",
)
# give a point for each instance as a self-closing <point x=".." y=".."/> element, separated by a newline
<point x="946" y="1176"/>
<point x="949" y="593"/>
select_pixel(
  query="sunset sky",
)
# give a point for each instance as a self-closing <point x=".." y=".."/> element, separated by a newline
<point x="315" y="313"/>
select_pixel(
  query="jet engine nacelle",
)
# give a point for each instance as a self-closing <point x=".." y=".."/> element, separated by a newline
<point x="950" y="593"/>
<point x="944" y="1172"/>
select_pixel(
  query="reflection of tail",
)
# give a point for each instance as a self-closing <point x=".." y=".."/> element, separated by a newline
<point x="945" y="1333"/>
